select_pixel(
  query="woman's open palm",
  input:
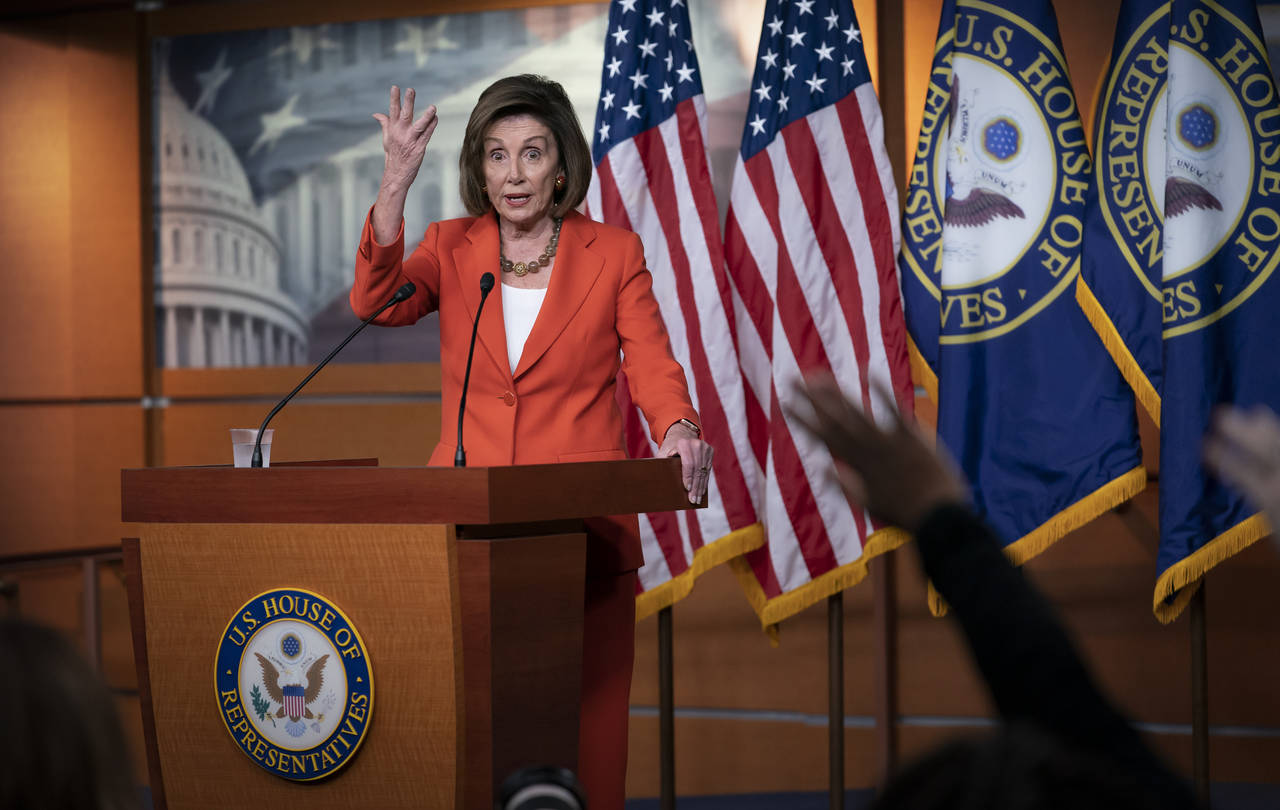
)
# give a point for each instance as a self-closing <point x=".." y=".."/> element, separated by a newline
<point x="403" y="139"/>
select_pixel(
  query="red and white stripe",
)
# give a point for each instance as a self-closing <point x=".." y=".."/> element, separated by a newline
<point x="658" y="184"/>
<point x="811" y="242"/>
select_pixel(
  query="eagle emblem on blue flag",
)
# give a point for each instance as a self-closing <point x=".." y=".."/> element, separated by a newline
<point x="1182" y="239"/>
<point x="1208" y="187"/>
<point x="1218" y="296"/>
<point x="1000" y="142"/>
<point x="1028" y="403"/>
<point x="1006" y="141"/>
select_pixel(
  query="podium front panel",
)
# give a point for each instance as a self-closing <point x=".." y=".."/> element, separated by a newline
<point x="397" y="584"/>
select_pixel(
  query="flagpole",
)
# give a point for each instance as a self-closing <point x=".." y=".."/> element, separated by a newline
<point x="666" y="714"/>
<point x="885" y="617"/>
<point x="1200" y="696"/>
<point x="891" y="62"/>
<point x="835" y="698"/>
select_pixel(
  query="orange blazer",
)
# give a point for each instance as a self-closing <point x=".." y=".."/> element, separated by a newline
<point x="559" y="404"/>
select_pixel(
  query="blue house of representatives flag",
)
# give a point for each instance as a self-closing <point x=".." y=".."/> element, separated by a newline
<point x="1029" y="403"/>
<point x="1219" y="303"/>
<point x="1119" y="285"/>
<point x="1180" y="243"/>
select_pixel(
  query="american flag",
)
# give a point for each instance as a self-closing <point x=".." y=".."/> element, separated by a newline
<point x="652" y="177"/>
<point x="811" y="242"/>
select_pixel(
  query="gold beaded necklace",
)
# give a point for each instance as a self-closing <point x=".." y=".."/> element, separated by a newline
<point x="522" y="268"/>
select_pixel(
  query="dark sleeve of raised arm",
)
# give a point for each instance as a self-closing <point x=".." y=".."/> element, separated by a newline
<point x="1022" y="649"/>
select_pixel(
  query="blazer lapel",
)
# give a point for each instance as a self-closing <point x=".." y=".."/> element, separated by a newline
<point x="575" y="273"/>
<point x="471" y="261"/>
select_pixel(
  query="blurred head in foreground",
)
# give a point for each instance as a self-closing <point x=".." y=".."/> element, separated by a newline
<point x="62" y="746"/>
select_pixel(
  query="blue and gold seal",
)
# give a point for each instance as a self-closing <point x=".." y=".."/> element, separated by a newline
<point x="1188" y="160"/>
<point x="1222" y="229"/>
<point x="294" y="684"/>
<point x="993" y="216"/>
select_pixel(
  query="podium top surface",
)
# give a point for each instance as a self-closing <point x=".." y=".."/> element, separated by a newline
<point x="356" y="494"/>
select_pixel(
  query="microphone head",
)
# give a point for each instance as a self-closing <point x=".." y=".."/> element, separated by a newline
<point x="486" y="283"/>
<point x="404" y="292"/>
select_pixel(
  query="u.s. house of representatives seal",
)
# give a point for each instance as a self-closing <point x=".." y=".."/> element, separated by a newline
<point x="294" y="684"/>
<point x="1193" y="145"/>
<point x="1003" y="164"/>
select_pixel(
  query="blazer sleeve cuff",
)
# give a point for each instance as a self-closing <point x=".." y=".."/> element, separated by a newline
<point x="663" y="423"/>
<point x="376" y="254"/>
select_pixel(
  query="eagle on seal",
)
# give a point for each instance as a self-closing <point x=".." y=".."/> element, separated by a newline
<point x="1181" y="195"/>
<point x="968" y="205"/>
<point x="979" y="207"/>
<point x="315" y="682"/>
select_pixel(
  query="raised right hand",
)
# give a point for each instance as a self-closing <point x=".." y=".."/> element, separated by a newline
<point x="403" y="139"/>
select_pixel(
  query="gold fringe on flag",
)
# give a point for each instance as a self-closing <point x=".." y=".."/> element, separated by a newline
<point x="772" y="611"/>
<point x="1108" y="496"/>
<point x="921" y="374"/>
<point x="1182" y="579"/>
<point x="1142" y="387"/>
<point x="734" y="544"/>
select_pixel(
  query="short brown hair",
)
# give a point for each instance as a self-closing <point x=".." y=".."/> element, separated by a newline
<point x="546" y="101"/>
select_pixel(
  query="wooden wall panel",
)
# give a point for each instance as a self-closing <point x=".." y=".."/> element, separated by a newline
<point x="1231" y="758"/>
<point x="233" y="15"/>
<point x="60" y="483"/>
<point x="398" y="434"/>
<point x="35" y="195"/>
<point x="105" y="305"/>
<point x="273" y="382"/>
<point x="723" y="659"/>
<point x="869" y="25"/>
<point x="1244" y="640"/>
<point x="719" y="755"/>
<point x="51" y="595"/>
<point x="716" y="756"/>
<point x="69" y="186"/>
<point x="921" y="29"/>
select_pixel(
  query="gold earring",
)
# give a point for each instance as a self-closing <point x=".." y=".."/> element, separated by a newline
<point x="483" y="187"/>
<point x="560" y="181"/>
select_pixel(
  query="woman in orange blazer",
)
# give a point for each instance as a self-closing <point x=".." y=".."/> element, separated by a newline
<point x="575" y="294"/>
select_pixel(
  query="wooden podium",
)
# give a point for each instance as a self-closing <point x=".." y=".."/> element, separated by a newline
<point x="465" y="584"/>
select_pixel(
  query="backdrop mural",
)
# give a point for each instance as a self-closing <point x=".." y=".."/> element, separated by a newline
<point x="267" y="160"/>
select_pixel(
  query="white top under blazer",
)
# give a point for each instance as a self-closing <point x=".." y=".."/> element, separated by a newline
<point x="520" y="309"/>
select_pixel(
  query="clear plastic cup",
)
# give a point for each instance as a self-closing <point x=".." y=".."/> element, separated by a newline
<point x="242" y="440"/>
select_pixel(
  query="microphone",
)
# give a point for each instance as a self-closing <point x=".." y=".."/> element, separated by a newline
<point x="402" y="294"/>
<point x="486" y="287"/>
